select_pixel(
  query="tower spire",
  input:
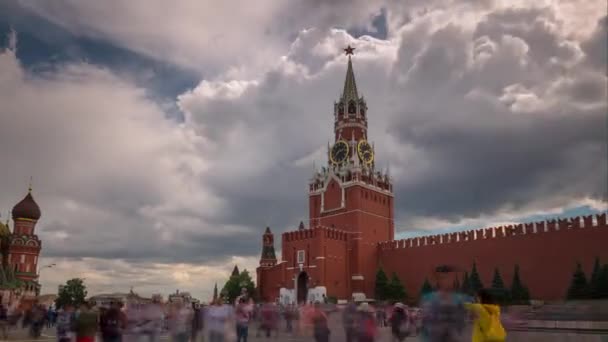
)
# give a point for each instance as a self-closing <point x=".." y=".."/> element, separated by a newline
<point x="350" y="86"/>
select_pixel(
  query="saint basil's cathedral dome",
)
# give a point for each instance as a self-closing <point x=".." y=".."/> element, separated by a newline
<point x="27" y="208"/>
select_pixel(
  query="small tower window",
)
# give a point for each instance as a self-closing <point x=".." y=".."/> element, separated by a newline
<point x="352" y="107"/>
<point x="341" y="109"/>
<point x="22" y="258"/>
<point x="301" y="256"/>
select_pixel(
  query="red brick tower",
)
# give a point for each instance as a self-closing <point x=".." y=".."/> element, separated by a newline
<point x="351" y="194"/>
<point x="350" y="210"/>
<point x="268" y="258"/>
<point x="24" y="246"/>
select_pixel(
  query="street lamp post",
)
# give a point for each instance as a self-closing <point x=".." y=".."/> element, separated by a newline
<point x="39" y="273"/>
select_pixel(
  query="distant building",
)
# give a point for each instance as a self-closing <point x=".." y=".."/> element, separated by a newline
<point x="48" y="300"/>
<point x="106" y="299"/>
<point x="183" y="297"/>
<point x="19" y="251"/>
<point x="128" y="298"/>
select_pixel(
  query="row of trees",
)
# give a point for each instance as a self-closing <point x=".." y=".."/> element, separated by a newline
<point x="387" y="290"/>
<point x="595" y="288"/>
<point x="471" y="283"/>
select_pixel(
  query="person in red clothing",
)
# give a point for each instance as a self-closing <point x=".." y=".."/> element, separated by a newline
<point x="320" y="326"/>
<point x="366" y="323"/>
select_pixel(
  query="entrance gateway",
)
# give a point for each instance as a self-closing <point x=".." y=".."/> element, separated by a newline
<point x="302" y="286"/>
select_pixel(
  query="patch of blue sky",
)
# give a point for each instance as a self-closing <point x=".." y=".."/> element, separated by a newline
<point x="44" y="46"/>
<point x="565" y="213"/>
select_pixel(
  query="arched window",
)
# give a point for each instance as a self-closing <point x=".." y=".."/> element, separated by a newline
<point x="352" y="108"/>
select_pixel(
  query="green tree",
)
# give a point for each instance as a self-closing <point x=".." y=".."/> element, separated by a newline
<point x="235" y="283"/>
<point x="74" y="292"/>
<point x="603" y="283"/>
<point x="594" y="282"/>
<point x="466" y="284"/>
<point x="497" y="282"/>
<point x="396" y="291"/>
<point x="519" y="293"/>
<point x="426" y="288"/>
<point x="456" y="284"/>
<point x="381" y="287"/>
<point x="578" y="287"/>
<point x="475" y="280"/>
<point x="498" y="288"/>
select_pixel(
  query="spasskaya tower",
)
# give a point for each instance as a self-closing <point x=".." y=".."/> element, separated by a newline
<point x="350" y="194"/>
<point x="350" y="212"/>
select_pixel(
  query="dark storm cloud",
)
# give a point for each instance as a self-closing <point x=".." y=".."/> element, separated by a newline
<point x="484" y="154"/>
<point x="145" y="245"/>
<point x="496" y="126"/>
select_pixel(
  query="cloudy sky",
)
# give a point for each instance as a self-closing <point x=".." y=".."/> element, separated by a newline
<point x="162" y="139"/>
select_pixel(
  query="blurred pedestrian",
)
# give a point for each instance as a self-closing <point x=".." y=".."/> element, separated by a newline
<point x="65" y="323"/>
<point x="400" y="322"/>
<point x="243" y="313"/>
<point x="197" y="322"/>
<point x="113" y="323"/>
<point x="444" y="315"/>
<point x="349" y="317"/>
<point x="87" y="324"/>
<point x="218" y="318"/>
<point x="180" y="321"/>
<point x="487" y="326"/>
<point x="366" y="324"/>
<point x="320" y="324"/>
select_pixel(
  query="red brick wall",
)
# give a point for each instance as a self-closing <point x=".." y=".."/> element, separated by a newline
<point x="269" y="281"/>
<point x="335" y="264"/>
<point x="546" y="258"/>
<point x="332" y="196"/>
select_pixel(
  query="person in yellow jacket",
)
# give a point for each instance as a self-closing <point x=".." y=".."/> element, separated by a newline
<point x="487" y="326"/>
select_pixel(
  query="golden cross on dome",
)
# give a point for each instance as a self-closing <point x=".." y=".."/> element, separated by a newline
<point x="349" y="50"/>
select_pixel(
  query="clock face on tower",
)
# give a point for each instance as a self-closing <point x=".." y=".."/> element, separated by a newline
<point x="365" y="152"/>
<point x="339" y="153"/>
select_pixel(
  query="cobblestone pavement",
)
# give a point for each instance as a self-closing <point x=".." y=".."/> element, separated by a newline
<point x="338" y="336"/>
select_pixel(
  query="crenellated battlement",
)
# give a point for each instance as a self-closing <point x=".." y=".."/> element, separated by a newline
<point x="542" y="227"/>
<point x="313" y="233"/>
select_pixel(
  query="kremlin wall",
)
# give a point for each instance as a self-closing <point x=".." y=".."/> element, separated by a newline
<point x="546" y="252"/>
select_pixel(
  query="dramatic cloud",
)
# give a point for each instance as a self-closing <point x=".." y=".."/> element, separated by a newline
<point x="114" y="177"/>
<point x="484" y="112"/>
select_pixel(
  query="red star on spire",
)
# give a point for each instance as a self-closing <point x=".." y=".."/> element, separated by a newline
<point x="349" y="50"/>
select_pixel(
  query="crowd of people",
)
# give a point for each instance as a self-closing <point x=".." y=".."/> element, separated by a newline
<point x="442" y="318"/>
